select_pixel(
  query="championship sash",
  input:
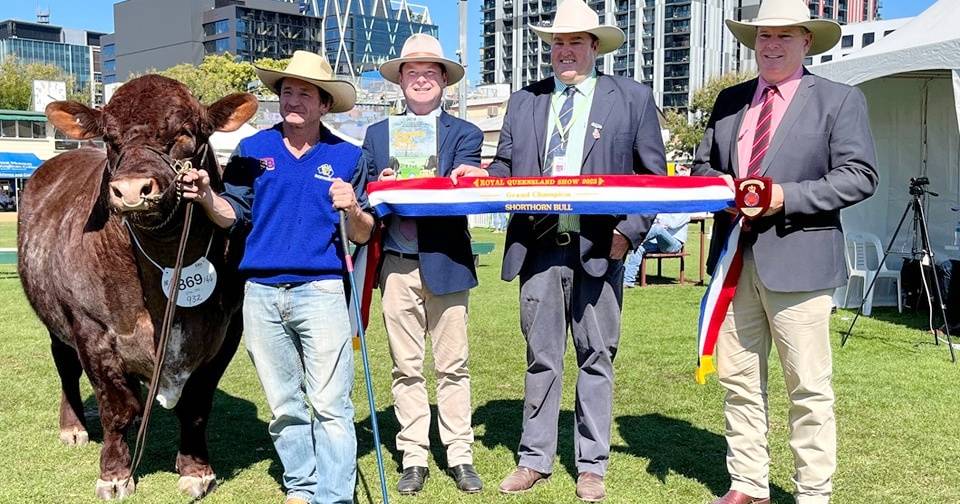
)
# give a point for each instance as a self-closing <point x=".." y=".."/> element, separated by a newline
<point x="584" y="195"/>
<point x="591" y="195"/>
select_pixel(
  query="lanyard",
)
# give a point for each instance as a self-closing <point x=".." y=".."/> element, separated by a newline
<point x="573" y="119"/>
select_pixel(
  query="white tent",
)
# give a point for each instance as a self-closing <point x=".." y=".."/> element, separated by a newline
<point x="911" y="79"/>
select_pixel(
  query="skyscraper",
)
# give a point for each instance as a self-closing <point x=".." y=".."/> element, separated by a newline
<point x="76" y="52"/>
<point x="845" y="11"/>
<point x="674" y="46"/>
<point x="356" y="35"/>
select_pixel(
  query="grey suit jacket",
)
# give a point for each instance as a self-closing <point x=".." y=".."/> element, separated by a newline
<point x="823" y="156"/>
<point x="629" y="142"/>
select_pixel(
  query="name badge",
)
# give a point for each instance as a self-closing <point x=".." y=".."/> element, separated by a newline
<point x="559" y="166"/>
<point x="196" y="284"/>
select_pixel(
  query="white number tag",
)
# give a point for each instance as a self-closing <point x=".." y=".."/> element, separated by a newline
<point x="197" y="282"/>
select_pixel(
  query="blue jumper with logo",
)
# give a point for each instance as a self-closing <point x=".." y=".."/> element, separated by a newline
<point x="285" y="204"/>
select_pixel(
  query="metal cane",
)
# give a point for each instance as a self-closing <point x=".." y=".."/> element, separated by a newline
<point x="363" y="353"/>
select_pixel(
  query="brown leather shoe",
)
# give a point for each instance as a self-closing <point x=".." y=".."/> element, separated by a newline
<point x="521" y="480"/>
<point x="735" y="497"/>
<point x="590" y="487"/>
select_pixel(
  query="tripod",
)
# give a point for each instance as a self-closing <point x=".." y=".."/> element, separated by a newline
<point x="922" y="250"/>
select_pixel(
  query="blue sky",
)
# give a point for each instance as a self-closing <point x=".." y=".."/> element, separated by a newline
<point x="97" y="15"/>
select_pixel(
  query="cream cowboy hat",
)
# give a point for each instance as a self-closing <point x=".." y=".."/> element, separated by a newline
<point x="574" y="16"/>
<point x="313" y="68"/>
<point x="782" y="13"/>
<point x="425" y="48"/>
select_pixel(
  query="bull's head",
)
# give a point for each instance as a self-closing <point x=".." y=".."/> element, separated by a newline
<point x="153" y="127"/>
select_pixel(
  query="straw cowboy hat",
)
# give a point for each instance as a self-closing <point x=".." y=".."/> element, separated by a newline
<point x="423" y="48"/>
<point x="313" y="68"/>
<point x="574" y="16"/>
<point x="783" y="13"/>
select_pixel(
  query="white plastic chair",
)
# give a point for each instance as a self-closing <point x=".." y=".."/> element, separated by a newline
<point x="860" y="266"/>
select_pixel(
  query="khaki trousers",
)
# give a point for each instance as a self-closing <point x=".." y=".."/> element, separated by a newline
<point x="410" y="313"/>
<point x="798" y="324"/>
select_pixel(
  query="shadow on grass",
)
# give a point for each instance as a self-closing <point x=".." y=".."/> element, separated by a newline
<point x="675" y="446"/>
<point x="389" y="427"/>
<point x="368" y="485"/>
<point x="236" y="438"/>
<point x="502" y="421"/>
<point x="910" y="318"/>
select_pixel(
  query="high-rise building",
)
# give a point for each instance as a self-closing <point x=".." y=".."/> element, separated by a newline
<point x="76" y="52"/>
<point x="856" y="36"/>
<point x="674" y="46"/>
<point x="356" y="35"/>
<point x="361" y="34"/>
<point x="845" y="11"/>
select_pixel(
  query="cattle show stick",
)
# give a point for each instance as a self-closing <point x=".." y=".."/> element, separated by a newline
<point x="348" y="262"/>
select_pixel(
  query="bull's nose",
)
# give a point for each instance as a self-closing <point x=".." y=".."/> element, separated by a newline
<point x="130" y="194"/>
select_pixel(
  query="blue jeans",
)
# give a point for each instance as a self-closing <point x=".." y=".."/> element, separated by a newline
<point x="299" y="339"/>
<point x="658" y="240"/>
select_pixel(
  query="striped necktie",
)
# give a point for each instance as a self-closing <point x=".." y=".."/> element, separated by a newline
<point x="561" y="131"/>
<point x="761" y="140"/>
<point x="545" y="224"/>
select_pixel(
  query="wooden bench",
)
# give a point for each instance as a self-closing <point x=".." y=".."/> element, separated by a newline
<point x="479" y="249"/>
<point x="660" y="256"/>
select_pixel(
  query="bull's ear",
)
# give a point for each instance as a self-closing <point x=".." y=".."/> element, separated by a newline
<point x="75" y="120"/>
<point x="231" y="111"/>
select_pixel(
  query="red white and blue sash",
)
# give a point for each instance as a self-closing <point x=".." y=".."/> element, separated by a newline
<point x="584" y="195"/>
<point x="719" y="295"/>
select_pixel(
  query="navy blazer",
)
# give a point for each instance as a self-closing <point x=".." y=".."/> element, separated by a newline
<point x="446" y="256"/>
<point x="629" y="142"/>
<point x="822" y="154"/>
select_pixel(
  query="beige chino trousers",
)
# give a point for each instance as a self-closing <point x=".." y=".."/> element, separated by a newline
<point x="798" y="323"/>
<point x="410" y="313"/>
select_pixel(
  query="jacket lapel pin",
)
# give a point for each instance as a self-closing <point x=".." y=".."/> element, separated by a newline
<point x="596" y="130"/>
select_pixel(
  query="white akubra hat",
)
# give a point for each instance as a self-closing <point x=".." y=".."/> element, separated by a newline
<point x="421" y="47"/>
<point x="784" y="13"/>
<point x="574" y="16"/>
<point x="313" y="68"/>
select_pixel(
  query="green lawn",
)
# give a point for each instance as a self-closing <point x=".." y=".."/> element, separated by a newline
<point x="897" y="412"/>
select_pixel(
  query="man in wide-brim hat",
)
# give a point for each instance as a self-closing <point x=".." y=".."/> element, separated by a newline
<point x="812" y="137"/>
<point x="578" y="122"/>
<point x="295" y="320"/>
<point x="427" y="273"/>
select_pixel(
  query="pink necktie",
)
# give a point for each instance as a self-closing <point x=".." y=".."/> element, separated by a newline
<point x="761" y="140"/>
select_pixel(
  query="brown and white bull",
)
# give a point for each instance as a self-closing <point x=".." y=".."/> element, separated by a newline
<point x="99" y="293"/>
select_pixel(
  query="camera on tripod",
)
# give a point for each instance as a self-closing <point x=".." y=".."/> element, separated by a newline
<point x="918" y="185"/>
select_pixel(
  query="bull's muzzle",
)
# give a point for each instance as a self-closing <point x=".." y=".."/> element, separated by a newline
<point x="133" y="194"/>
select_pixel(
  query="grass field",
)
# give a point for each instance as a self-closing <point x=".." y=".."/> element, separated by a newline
<point x="897" y="412"/>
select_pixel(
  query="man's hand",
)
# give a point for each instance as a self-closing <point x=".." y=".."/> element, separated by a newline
<point x="619" y="246"/>
<point x="194" y="185"/>
<point x="467" y="171"/>
<point x="387" y="174"/>
<point x="344" y="198"/>
<point x="729" y="180"/>
<point x="776" y="200"/>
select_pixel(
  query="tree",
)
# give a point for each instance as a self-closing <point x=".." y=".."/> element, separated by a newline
<point x="16" y="83"/>
<point x="219" y="75"/>
<point x="685" y="135"/>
